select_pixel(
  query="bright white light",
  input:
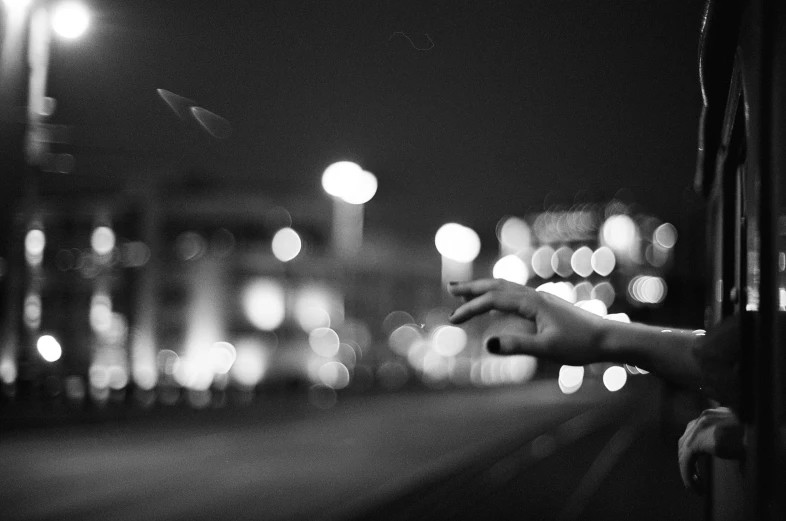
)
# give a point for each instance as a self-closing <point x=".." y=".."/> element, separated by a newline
<point x="614" y="378"/>
<point x="449" y="340"/>
<point x="360" y="188"/>
<point x="618" y="317"/>
<point x="251" y="363"/>
<point x="8" y="371"/>
<point x="264" y="304"/>
<point x="49" y="348"/>
<point x="515" y="234"/>
<point x="324" y="341"/>
<point x="665" y="235"/>
<point x="347" y="181"/>
<point x="457" y="242"/>
<point x="318" y="306"/>
<point x="603" y="261"/>
<point x="563" y="290"/>
<point x="70" y="19"/>
<point x="594" y="306"/>
<point x="286" y="244"/>
<point x="334" y="375"/>
<point x="561" y="261"/>
<point x="512" y="268"/>
<point x="336" y="176"/>
<point x="619" y="233"/>
<point x="541" y="262"/>
<point x="581" y="261"/>
<point x="118" y="377"/>
<point x="222" y="355"/>
<point x="403" y="338"/>
<point x="35" y="241"/>
<point x="570" y="378"/>
<point x="647" y="289"/>
<point x="103" y="240"/>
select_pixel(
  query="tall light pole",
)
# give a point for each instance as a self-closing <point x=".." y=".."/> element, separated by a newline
<point x="23" y="139"/>
<point x="459" y="246"/>
<point x="351" y="188"/>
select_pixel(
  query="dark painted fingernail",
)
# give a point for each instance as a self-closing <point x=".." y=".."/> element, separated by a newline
<point x="493" y="346"/>
<point x="452" y="283"/>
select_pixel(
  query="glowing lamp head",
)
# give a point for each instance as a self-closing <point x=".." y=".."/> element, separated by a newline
<point x="512" y="268"/>
<point x="348" y="182"/>
<point x="286" y="244"/>
<point x="49" y="348"/>
<point x="70" y="19"/>
<point x="457" y="242"/>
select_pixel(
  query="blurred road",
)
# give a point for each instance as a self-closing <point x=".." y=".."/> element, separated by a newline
<point x="510" y="453"/>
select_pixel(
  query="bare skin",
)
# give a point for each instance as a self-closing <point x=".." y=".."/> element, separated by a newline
<point x="716" y="432"/>
<point x="554" y="329"/>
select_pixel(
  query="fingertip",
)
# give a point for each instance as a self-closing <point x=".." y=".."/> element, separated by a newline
<point x="493" y="345"/>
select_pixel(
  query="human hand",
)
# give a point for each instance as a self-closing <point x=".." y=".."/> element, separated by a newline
<point x="535" y="323"/>
<point x="716" y="432"/>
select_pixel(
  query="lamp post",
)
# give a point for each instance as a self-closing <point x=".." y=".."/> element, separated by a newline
<point x="459" y="246"/>
<point x="351" y="188"/>
<point x="23" y="136"/>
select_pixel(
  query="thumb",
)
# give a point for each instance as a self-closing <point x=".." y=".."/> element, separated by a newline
<point x="513" y="345"/>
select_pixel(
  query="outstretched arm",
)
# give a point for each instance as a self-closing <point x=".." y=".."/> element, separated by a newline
<point x="552" y="328"/>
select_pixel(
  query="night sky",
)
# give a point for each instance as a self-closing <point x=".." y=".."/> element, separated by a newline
<point x="465" y="111"/>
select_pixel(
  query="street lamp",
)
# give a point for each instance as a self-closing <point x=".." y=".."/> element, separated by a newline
<point x="351" y="187"/>
<point x="459" y="246"/>
<point x="67" y="19"/>
<point x="70" y="19"/>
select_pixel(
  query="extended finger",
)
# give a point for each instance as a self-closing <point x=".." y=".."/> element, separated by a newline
<point x="474" y="288"/>
<point x="521" y="344"/>
<point x="501" y="301"/>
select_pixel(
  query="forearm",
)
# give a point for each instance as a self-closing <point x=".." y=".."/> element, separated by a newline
<point x="669" y="353"/>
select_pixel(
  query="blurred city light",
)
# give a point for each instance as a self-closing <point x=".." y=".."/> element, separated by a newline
<point x="614" y="378"/>
<point x="618" y="317"/>
<point x="102" y="240"/>
<point x="619" y="233"/>
<point x="570" y="378"/>
<point x="665" y="235"/>
<point x="35" y="242"/>
<point x="286" y="244"/>
<point x="512" y="268"/>
<point x="8" y="371"/>
<point x="49" y="348"/>
<point x="594" y="306"/>
<point x="514" y="235"/>
<point x="334" y="375"/>
<point x="336" y="176"/>
<point x="403" y="338"/>
<point x="449" y="340"/>
<point x="541" y="262"/>
<point x="349" y="182"/>
<point x="647" y="289"/>
<point x="264" y="304"/>
<point x="603" y="261"/>
<point x="318" y="306"/>
<point x="561" y="261"/>
<point x="324" y="341"/>
<point x="604" y="292"/>
<point x="458" y="243"/>
<point x="251" y="362"/>
<point x="581" y="261"/>
<point x="190" y="246"/>
<point x="70" y="19"/>
<point x="222" y="355"/>
<point x="563" y="290"/>
<point x="361" y="189"/>
<point x="32" y="311"/>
